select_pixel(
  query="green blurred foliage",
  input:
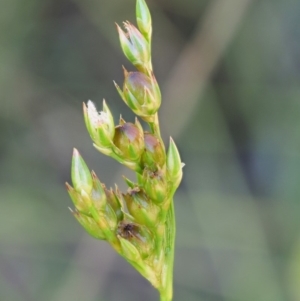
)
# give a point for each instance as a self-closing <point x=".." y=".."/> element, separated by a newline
<point x="238" y="207"/>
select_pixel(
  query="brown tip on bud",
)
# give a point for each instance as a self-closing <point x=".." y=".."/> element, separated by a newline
<point x="125" y="71"/>
<point x="68" y="186"/>
<point x="122" y="121"/>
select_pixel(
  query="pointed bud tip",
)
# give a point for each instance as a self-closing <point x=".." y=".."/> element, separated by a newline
<point x="173" y="156"/>
<point x="68" y="186"/>
<point x="137" y="122"/>
<point x="76" y="152"/>
<point x="90" y="103"/>
<point x="125" y="71"/>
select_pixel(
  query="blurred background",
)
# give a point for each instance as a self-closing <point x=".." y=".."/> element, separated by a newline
<point x="229" y="71"/>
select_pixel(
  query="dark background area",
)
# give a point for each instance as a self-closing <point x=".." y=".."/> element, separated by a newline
<point x="229" y="71"/>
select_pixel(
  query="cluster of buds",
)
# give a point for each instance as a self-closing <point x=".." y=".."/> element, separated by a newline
<point x="139" y="224"/>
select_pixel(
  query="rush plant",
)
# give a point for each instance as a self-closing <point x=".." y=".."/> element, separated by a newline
<point x="140" y="223"/>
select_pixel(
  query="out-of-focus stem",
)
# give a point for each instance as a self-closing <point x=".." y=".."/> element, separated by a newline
<point x="166" y="291"/>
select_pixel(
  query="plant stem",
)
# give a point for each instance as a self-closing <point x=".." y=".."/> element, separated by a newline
<point x="154" y="126"/>
<point x="166" y="291"/>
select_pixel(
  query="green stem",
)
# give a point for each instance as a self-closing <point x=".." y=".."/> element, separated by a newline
<point x="154" y="126"/>
<point x="166" y="290"/>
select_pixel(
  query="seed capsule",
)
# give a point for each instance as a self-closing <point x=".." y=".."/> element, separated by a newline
<point x="154" y="154"/>
<point x="135" y="47"/>
<point x="141" y="93"/>
<point x="141" y="208"/>
<point x="129" y="139"/>
<point x="155" y="185"/>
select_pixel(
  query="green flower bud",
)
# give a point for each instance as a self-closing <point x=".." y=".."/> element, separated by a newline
<point x="141" y="208"/>
<point x="80" y="174"/>
<point x="135" y="47"/>
<point x="143" y="18"/>
<point x="129" y="139"/>
<point x="110" y="217"/>
<point x="98" y="195"/>
<point x="137" y="235"/>
<point x="115" y="203"/>
<point x="141" y="93"/>
<point x="174" y="165"/>
<point x="155" y="185"/>
<point x="154" y="155"/>
<point x="78" y="201"/>
<point x="100" y="126"/>
<point x="89" y="225"/>
<point x="129" y="251"/>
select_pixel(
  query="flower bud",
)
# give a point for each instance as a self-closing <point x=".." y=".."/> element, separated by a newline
<point x="129" y="251"/>
<point x="110" y="216"/>
<point x="80" y="174"/>
<point x="141" y="207"/>
<point x="141" y="93"/>
<point x="137" y="235"/>
<point x="174" y="165"/>
<point x="89" y="225"/>
<point x="98" y="195"/>
<point x="155" y="185"/>
<point x="129" y="139"/>
<point x="78" y="201"/>
<point x="114" y="201"/>
<point x="99" y="125"/>
<point x="135" y="47"/>
<point x="143" y="18"/>
<point x="154" y="155"/>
